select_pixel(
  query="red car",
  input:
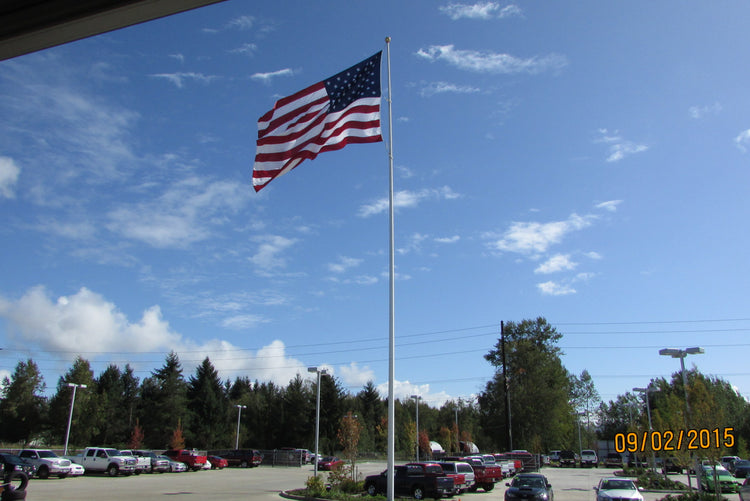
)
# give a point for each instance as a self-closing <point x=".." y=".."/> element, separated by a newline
<point x="330" y="463"/>
<point x="217" y="463"/>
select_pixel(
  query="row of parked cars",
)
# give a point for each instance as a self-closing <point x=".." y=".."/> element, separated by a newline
<point x="44" y="463"/>
<point x="450" y="476"/>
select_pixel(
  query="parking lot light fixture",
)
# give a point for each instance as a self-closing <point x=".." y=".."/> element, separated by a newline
<point x="70" y="416"/>
<point x="239" y="413"/>
<point x="318" y="372"/>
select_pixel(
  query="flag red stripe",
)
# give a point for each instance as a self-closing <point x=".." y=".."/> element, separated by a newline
<point x="296" y="134"/>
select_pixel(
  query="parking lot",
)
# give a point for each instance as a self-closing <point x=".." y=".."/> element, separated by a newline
<point x="265" y="483"/>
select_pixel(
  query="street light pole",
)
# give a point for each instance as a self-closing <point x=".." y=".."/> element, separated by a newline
<point x="239" y="413"/>
<point x="649" y="389"/>
<point x="580" y="444"/>
<point x="417" y="398"/>
<point x="70" y="416"/>
<point x="681" y="354"/>
<point x="319" y="372"/>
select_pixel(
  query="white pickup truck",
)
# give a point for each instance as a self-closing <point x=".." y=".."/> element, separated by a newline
<point x="47" y="462"/>
<point x="142" y="465"/>
<point x="105" y="460"/>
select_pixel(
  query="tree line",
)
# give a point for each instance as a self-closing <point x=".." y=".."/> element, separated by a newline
<point x="532" y="402"/>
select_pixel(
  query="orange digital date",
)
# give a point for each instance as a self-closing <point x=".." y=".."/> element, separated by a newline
<point x="669" y="440"/>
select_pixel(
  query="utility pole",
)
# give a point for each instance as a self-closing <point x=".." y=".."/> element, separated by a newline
<point x="508" y="432"/>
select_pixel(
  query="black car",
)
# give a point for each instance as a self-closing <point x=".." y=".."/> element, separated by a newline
<point x="568" y="458"/>
<point x="742" y="468"/>
<point x="613" y="460"/>
<point x="533" y="486"/>
<point x="11" y="462"/>
<point x="672" y="465"/>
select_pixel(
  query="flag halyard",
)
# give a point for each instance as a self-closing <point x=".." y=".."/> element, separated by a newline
<point x="343" y="109"/>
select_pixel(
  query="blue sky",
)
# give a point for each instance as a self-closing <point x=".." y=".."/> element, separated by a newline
<point x="585" y="161"/>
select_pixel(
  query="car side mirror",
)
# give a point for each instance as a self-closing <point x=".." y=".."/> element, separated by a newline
<point x="596" y="488"/>
<point x="507" y="484"/>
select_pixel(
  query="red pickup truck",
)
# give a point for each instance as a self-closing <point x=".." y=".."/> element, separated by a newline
<point x="485" y="474"/>
<point x="436" y="470"/>
<point x="191" y="459"/>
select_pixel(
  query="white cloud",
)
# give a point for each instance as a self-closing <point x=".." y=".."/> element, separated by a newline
<point x="558" y="262"/>
<point x="267" y="257"/>
<point x="356" y="376"/>
<point x="482" y="10"/>
<point x="84" y="320"/>
<point x="555" y="289"/>
<point x="593" y="255"/>
<point x="242" y="322"/>
<point x="492" y="62"/>
<point x="344" y="263"/>
<point x="413" y="243"/>
<point x="743" y="140"/>
<point x="403" y="390"/>
<point x="448" y="240"/>
<point x="242" y="22"/>
<point x="698" y="112"/>
<point x="179" y="57"/>
<point x="407" y="199"/>
<point x="610" y="205"/>
<point x="533" y="237"/>
<point x="184" y="214"/>
<point x="86" y="323"/>
<point x="267" y="77"/>
<point x="433" y="88"/>
<point x="179" y="78"/>
<point x="9" y="173"/>
<point x="248" y="49"/>
<point x="619" y="147"/>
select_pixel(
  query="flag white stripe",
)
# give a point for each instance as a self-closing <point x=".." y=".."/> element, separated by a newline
<point x="290" y="107"/>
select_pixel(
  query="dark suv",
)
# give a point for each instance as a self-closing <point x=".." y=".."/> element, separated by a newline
<point x="568" y="458"/>
<point x="244" y="458"/>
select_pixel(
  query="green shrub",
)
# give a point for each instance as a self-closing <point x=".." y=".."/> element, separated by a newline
<point x="694" y="496"/>
<point x="315" y="488"/>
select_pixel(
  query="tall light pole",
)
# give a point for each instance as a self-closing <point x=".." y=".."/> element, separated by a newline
<point x="70" y="416"/>
<point x="649" y="389"/>
<point x="681" y="354"/>
<point x="417" y="398"/>
<point x="319" y="372"/>
<point x="239" y="413"/>
<point x="580" y="444"/>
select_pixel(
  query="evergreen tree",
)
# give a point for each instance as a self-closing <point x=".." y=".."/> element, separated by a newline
<point x="539" y="388"/>
<point x="23" y="408"/>
<point x="208" y="406"/>
<point x="85" y="421"/>
<point x="163" y="403"/>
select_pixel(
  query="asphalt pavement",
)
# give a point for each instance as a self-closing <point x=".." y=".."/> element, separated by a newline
<point x="266" y="482"/>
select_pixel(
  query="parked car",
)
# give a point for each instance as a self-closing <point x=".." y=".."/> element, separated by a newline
<point x="76" y="470"/>
<point x="728" y="462"/>
<point x="711" y="475"/>
<point x="157" y="464"/>
<point x="47" y="462"/>
<point x="454" y="467"/>
<point x="330" y="463"/>
<point x="174" y="466"/>
<point x="410" y="481"/>
<point x="435" y="470"/>
<point x="568" y="458"/>
<point x="218" y="463"/>
<point x="589" y="458"/>
<point x="191" y="458"/>
<point x="635" y="461"/>
<point x="745" y="490"/>
<point x="617" y="488"/>
<point x="672" y="465"/>
<point x="554" y="457"/>
<point x="534" y="486"/>
<point x="613" y="460"/>
<point x="741" y="468"/>
<point x="142" y="463"/>
<point x="11" y="463"/>
<point x="244" y="458"/>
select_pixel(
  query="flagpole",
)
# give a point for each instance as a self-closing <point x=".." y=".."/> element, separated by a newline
<point x="392" y="337"/>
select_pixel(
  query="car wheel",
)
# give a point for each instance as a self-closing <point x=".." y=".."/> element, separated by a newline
<point x="16" y="481"/>
<point x="417" y="492"/>
<point x="112" y="470"/>
<point x="371" y="490"/>
<point x="43" y="472"/>
<point x="243" y="464"/>
<point x="489" y="487"/>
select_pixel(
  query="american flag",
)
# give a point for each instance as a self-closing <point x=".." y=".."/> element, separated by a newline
<point x="326" y="116"/>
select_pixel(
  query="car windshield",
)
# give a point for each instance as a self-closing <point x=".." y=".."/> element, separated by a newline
<point x="464" y="468"/>
<point x="533" y="482"/>
<point x="617" y="484"/>
<point x="47" y="454"/>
